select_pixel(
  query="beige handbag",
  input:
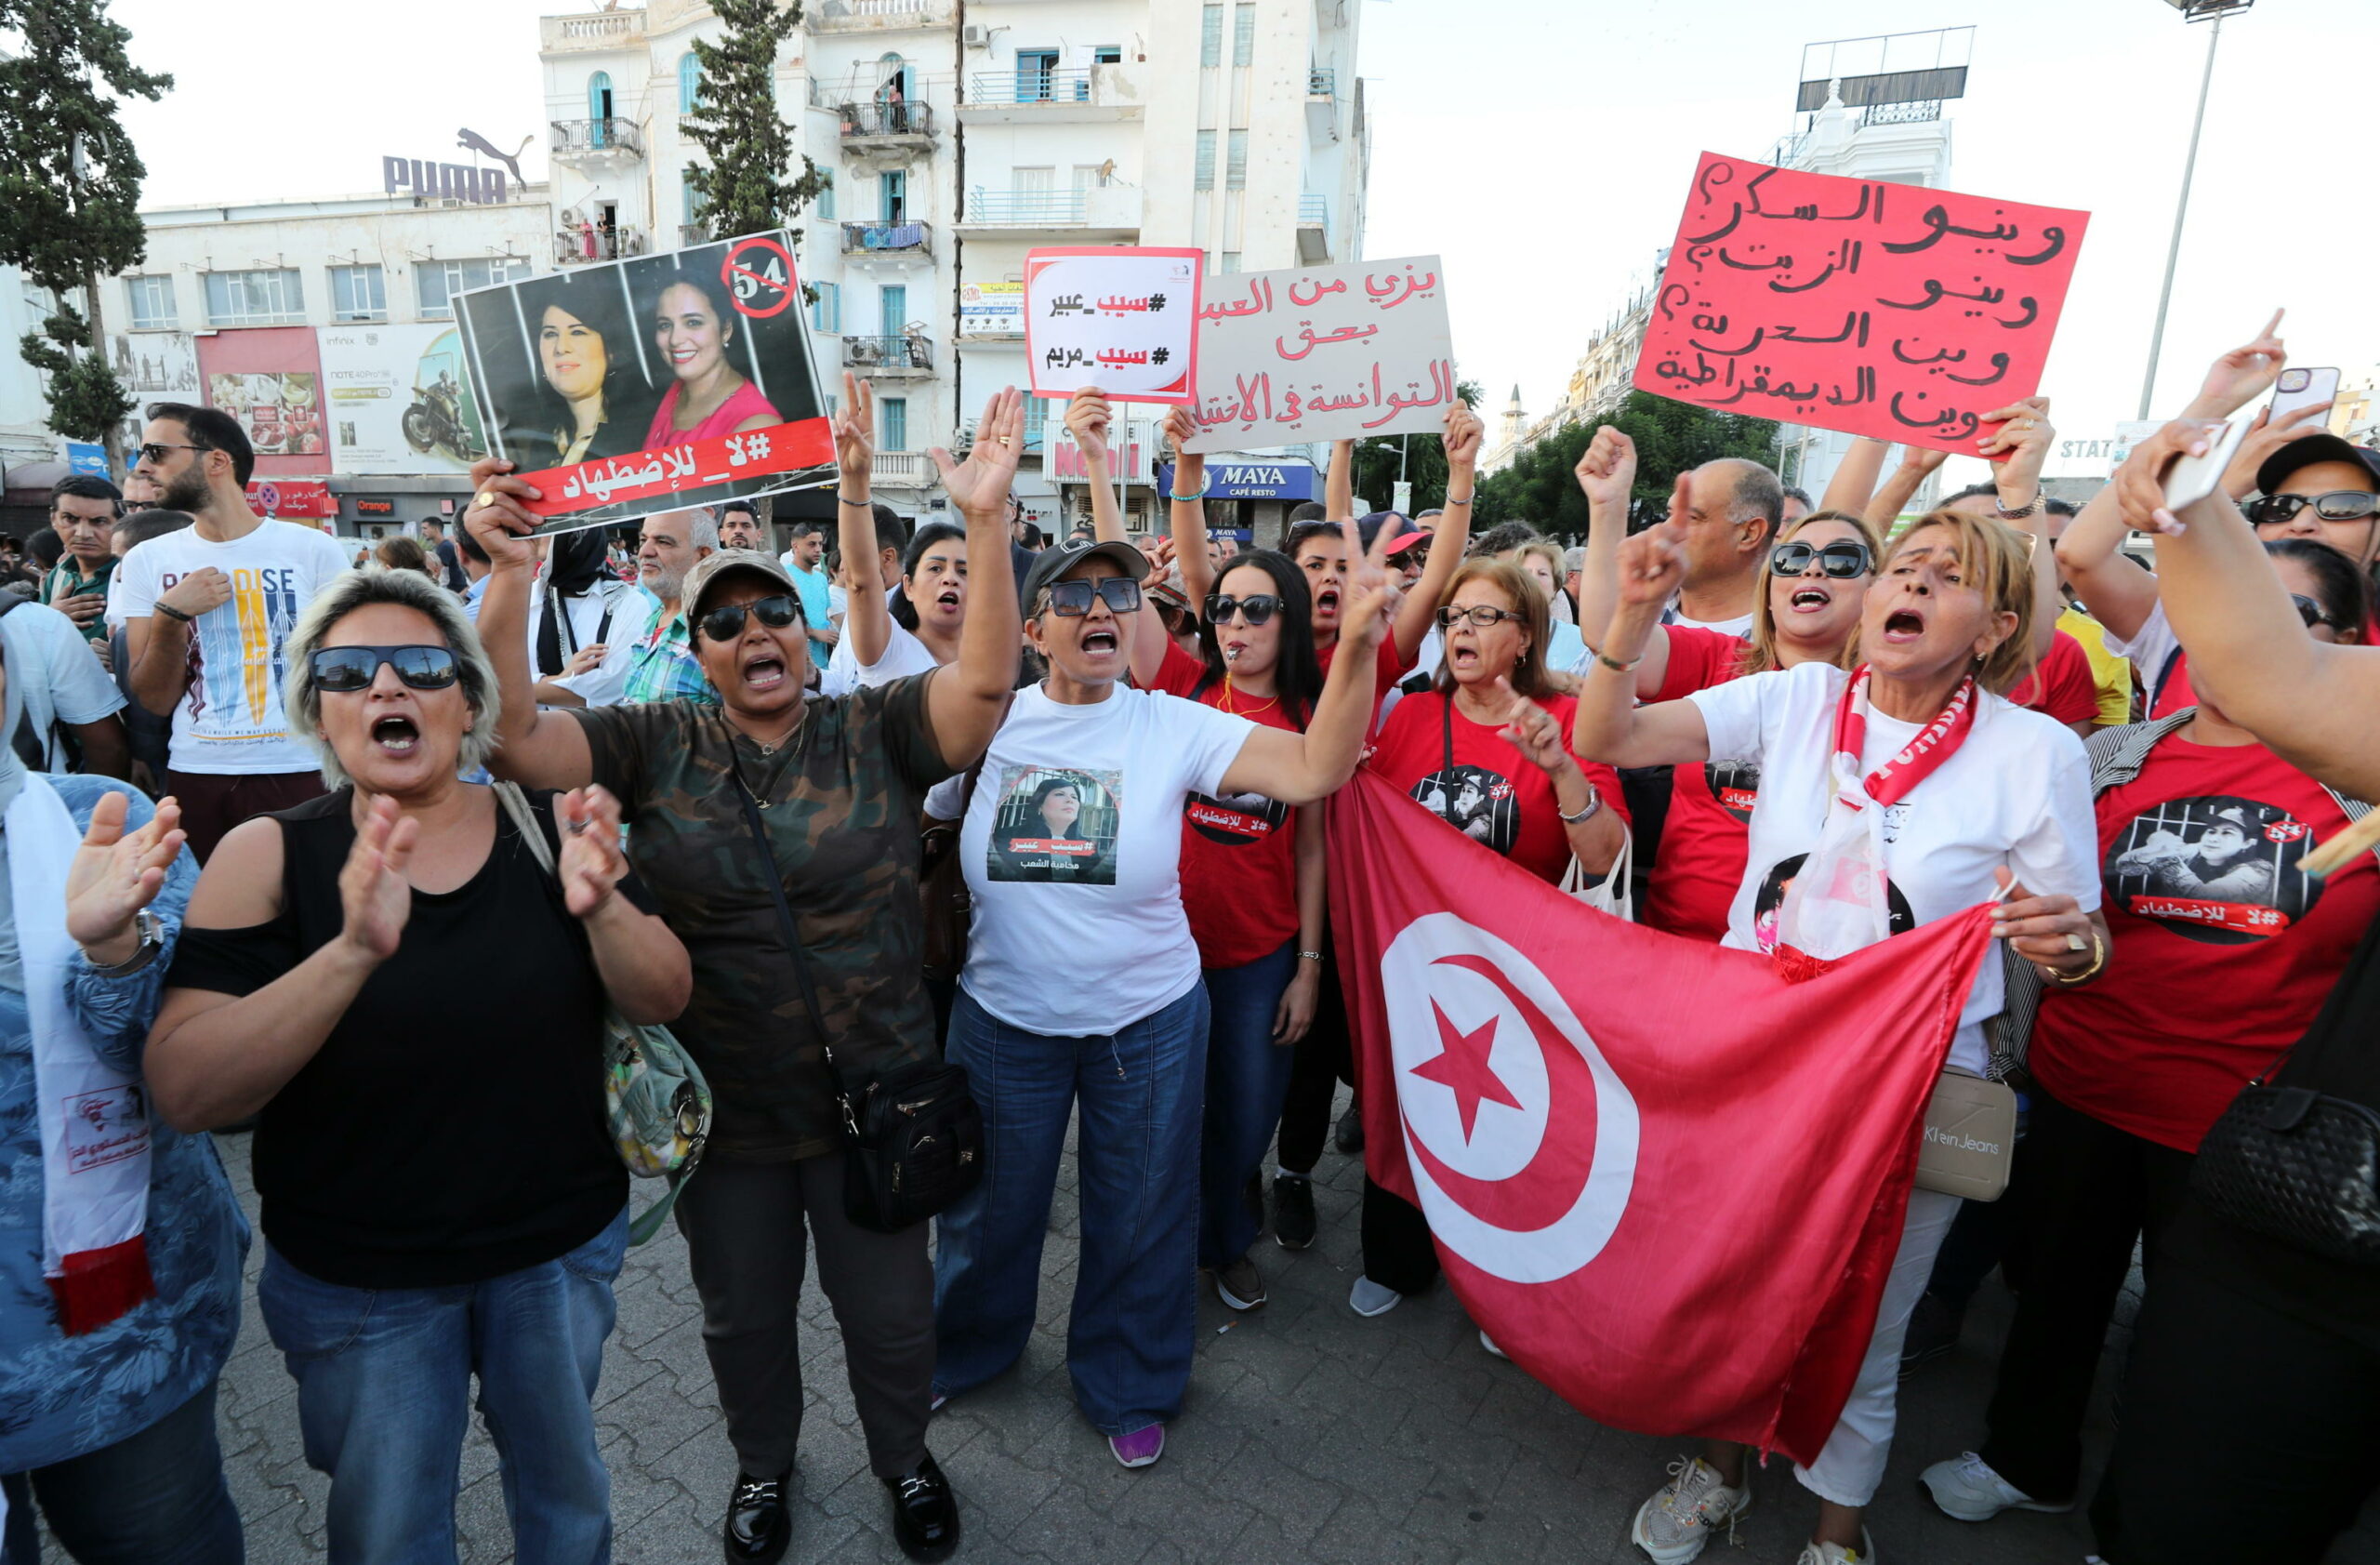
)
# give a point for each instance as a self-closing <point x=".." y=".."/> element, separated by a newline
<point x="1970" y="1135"/>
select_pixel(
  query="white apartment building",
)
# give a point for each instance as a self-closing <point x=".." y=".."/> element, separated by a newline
<point x="957" y="135"/>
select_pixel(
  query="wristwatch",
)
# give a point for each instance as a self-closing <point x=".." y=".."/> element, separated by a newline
<point x="1588" y="811"/>
<point x="2031" y="508"/>
<point x="153" y="939"/>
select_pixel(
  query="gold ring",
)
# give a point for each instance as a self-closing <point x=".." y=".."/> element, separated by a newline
<point x="1005" y="440"/>
<point x="2076" y="943"/>
<point x="483" y="499"/>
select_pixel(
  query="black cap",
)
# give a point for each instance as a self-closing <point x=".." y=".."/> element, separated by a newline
<point x="2304" y="453"/>
<point x="1060" y="558"/>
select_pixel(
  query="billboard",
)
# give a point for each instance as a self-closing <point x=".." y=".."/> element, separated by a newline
<point x="156" y="365"/>
<point x="991" y="310"/>
<point x="270" y="379"/>
<point x="398" y="399"/>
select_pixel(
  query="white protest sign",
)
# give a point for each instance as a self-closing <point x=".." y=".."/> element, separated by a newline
<point x="1121" y="318"/>
<point x="1324" y="353"/>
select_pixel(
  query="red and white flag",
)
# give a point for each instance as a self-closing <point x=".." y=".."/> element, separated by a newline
<point x="1667" y="1181"/>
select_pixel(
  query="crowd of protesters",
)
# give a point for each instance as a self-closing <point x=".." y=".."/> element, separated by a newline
<point x="858" y="813"/>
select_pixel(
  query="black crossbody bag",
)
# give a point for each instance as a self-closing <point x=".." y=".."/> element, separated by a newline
<point x="913" y="1138"/>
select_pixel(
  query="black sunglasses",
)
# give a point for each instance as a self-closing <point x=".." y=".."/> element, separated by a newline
<point x="1072" y="599"/>
<point x="154" y="452"/>
<point x="726" y="622"/>
<point x="1843" y="559"/>
<point x="1480" y="615"/>
<point x="349" y="669"/>
<point x="2312" y="612"/>
<point x="1257" y="607"/>
<point x="2340" y="505"/>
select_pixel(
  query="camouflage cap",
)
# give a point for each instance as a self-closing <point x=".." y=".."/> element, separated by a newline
<point x="711" y="568"/>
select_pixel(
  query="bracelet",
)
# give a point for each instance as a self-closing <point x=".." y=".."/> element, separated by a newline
<point x="845" y="499"/>
<point x="2031" y="508"/>
<point x="1465" y="500"/>
<point x="2098" y="961"/>
<point x="1587" y="811"/>
<point x="172" y="613"/>
<point x="1616" y="666"/>
<point x="1199" y="495"/>
<point x="1309" y="956"/>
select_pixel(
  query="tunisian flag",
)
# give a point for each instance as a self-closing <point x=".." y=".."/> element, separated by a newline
<point x="1669" y="1183"/>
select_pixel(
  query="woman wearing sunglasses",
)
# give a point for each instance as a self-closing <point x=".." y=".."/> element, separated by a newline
<point x="441" y="1196"/>
<point x="836" y="784"/>
<point x="1486" y="751"/>
<point x="1926" y="793"/>
<point x="2200" y="827"/>
<point x="1040" y="1039"/>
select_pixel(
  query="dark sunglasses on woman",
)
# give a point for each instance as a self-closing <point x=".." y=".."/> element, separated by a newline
<point x="1072" y="599"/>
<point x="726" y="622"/>
<point x="1843" y="559"/>
<point x="2339" y="505"/>
<point x="1257" y="607"/>
<point x="2312" y="612"/>
<point x="348" y="669"/>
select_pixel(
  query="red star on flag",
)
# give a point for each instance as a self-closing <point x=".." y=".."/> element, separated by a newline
<point x="1461" y="1068"/>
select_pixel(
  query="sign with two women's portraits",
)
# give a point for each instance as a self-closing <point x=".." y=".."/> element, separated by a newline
<point x="625" y="388"/>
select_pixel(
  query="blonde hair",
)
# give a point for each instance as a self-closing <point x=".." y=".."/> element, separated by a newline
<point x="1761" y="655"/>
<point x="382" y="584"/>
<point x="1997" y="562"/>
<point x="1542" y="549"/>
<point x="1529" y="675"/>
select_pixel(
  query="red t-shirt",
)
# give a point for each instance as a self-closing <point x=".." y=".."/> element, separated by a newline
<point x="2174" y="693"/>
<point x="1472" y="777"/>
<point x="2222" y="952"/>
<point x="1702" y="864"/>
<point x="1387" y="668"/>
<point x="2063" y="686"/>
<point x="1239" y="859"/>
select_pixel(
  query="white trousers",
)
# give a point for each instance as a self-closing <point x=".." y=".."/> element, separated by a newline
<point x="1851" y="1466"/>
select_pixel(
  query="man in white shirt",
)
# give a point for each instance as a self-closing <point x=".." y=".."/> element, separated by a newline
<point x="63" y="705"/>
<point x="207" y="613"/>
<point x="1734" y="507"/>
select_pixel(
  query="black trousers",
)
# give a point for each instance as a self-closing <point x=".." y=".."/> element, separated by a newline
<point x="1322" y="1062"/>
<point x="1397" y="1252"/>
<point x="2088" y="1191"/>
<point x="2247" y="1433"/>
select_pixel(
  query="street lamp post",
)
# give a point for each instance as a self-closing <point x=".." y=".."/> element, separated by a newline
<point x="2192" y="10"/>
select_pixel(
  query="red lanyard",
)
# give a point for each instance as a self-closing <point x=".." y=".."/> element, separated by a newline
<point x="1935" y="743"/>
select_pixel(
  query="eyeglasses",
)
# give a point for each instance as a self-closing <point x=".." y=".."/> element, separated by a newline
<point x="346" y="669"/>
<point x="1843" y="559"/>
<point x="1257" y="607"/>
<point x="1071" y="600"/>
<point x="726" y="622"/>
<point x="1480" y="615"/>
<point x="154" y="451"/>
<point x="2340" y="505"/>
<point x="2312" y="612"/>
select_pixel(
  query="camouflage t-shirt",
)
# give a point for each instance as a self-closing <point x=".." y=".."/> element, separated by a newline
<point x="844" y="798"/>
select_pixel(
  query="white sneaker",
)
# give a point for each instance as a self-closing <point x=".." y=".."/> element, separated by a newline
<point x="1672" y="1526"/>
<point x="1373" y="1300"/>
<point x="1967" y="1490"/>
<point x="1490" y="1344"/>
<point x="1835" y="1554"/>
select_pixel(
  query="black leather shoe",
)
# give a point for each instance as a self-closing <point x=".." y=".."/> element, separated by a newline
<point x="1350" y="1134"/>
<point x="759" y="1526"/>
<point x="925" y="1513"/>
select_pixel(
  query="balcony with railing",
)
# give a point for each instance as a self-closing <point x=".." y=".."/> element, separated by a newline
<point x="891" y="240"/>
<point x="1322" y="82"/>
<point x="1322" y="103"/>
<point x="691" y="234"/>
<point x="1094" y="211"/>
<point x="1923" y="113"/>
<point x="889" y="355"/>
<point x="878" y="16"/>
<point x="863" y="123"/>
<point x="1032" y="94"/>
<point x="1314" y="230"/>
<point x="903" y="470"/>
<point x="595" y="30"/>
<point x="609" y="141"/>
<point x="582" y="246"/>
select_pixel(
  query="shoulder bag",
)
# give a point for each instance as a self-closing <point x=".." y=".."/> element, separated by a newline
<point x="654" y="1092"/>
<point x="913" y="1138"/>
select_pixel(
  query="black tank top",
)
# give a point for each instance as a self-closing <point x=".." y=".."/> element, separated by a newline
<point x="452" y="1126"/>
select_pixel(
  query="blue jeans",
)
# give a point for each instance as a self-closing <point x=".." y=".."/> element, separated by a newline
<point x="153" y="1498"/>
<point x="1248" y="1079"/>
<point x="1135" y="1310"/>
<point x="384" y="1380"/>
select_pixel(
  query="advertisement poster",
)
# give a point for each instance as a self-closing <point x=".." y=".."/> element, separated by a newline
<point x="1121" y="318"/>
<point x="1324" y="353"/>
<point x="1891" y="311"/>
<point x="156" y="365"/>
<point x="398" y="399"/>
<point x="991" y="310"/>
<point x="270" y="379"/>
<point x="631" y="388"/>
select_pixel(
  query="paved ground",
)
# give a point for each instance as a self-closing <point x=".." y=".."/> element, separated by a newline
<point x="1311" y="1435"/>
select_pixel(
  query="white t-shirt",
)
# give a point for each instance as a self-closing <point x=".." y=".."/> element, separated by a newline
<point x="583" y="616"/>
<point x="229" y="720"/>
<point x="1050" y="893"/>
<point x="903" y="655"/>
<point x="2015" y="794"/>
<point x="1566" y="651"/>
<point x="606" y="684"/>
<point x="1741" y="626"/>
<point x="2152" y="649"/>
<point x="53" y="678"/>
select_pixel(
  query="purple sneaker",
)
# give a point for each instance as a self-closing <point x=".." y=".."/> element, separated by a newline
<point x="1140" y="1448"/>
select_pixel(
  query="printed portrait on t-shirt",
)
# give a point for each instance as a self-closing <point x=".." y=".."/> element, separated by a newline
<point x="1477" y="802"/>
<point x="1056" y="823"/>
<point x="1734" y="783"/>
<point x="1235" y="821"/>
<point x="1767" y="901"/>
<point x="2217" y="869"/>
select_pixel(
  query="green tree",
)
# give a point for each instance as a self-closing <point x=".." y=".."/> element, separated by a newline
<point x="70" y="193"/>
<point x="749" y="186"/>
<point x="1425" y="460"/>
<point x="1671" y="436"/>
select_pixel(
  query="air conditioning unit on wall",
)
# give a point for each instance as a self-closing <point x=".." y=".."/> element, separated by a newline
<point x="975" y="36"/>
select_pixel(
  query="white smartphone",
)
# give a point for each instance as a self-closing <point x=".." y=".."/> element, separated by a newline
<point x="2191" y="479"/>
<point x="2303" y="387"/>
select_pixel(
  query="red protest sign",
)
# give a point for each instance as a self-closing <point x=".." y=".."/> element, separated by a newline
<point x="1875" y="309"/>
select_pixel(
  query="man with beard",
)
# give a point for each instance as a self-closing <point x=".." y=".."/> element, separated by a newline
<point x="648" y="649"/>
<point x="207" y="611"/>
<point x="739" y="527"/>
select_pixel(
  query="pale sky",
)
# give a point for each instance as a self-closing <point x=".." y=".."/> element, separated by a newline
<point x="1543" y="148"/>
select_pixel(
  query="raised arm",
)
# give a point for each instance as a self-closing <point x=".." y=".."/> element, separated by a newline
<point x="1853" y="483"/>
<point x="1917" y="464"/>
<point x="1607" y="476"/>
<point x="1611" y="727"/>
<point x="1339" y="484"/>
<point x="1187" y="518"/>
<point x="964" y="700"/>
<point x="1091" y="421"/>
<point x="2023" y="441"/>
<point x="866" y="620"/>
<point x="535" y="749"/>
<point x="1462" y="440"/>
<point x="1300" y="768"/>
<point x="2311" y="701"/>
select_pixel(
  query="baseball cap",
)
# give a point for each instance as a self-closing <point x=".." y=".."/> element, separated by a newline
<point x="2312" y="449"/>
<point x="1060" y="558"/>
<point x="707" y="571"/>
<point x="1415" y="539"/>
